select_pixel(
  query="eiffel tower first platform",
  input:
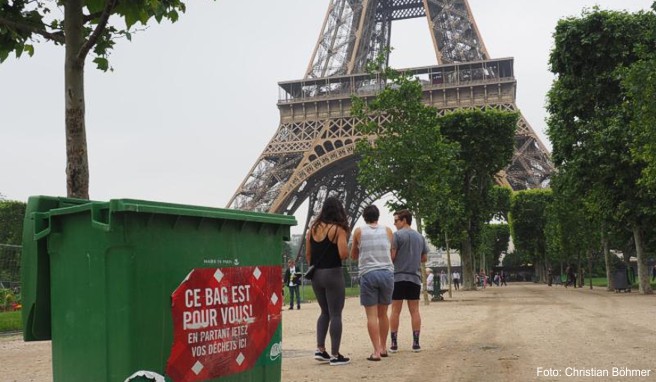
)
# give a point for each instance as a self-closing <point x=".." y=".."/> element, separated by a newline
<point x="312" y="154"/>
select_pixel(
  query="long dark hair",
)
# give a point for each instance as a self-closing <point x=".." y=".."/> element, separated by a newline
<point x="332" y="212"/>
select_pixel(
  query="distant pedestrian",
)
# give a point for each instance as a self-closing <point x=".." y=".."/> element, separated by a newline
<point x="444" y="281"/>
<point x="571" y="276"/>
<point x="653" y="273"/>
<point x="293" y="280"/>
<point x="430" y="281"/>
<point x="503" y="276"/>
<point x="456" y="279"/>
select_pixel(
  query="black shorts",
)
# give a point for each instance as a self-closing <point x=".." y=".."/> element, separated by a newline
<point x="406" y="290"/>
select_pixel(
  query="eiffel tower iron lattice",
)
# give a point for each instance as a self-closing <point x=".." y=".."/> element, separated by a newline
<point x="312" y="154"/>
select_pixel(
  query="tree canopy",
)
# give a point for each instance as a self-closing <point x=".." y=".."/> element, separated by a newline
<point x="23" y="23"/>
<point x="11" y="221"/>
<point x="528" y="222"/>
<point x="441" y="167"/>
<point x="405" y="155"/>
<point x="589" y="118"/>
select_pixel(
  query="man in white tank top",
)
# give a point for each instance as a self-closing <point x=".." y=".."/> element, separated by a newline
<point x="372" y="245"/>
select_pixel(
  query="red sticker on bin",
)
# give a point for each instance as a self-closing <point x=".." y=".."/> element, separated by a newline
<point x="223" y="319"/>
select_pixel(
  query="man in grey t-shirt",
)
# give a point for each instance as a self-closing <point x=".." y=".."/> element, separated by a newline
<point x="409" y="252"/>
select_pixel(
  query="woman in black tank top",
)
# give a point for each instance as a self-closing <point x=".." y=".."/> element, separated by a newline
<point x="325" y="248"/>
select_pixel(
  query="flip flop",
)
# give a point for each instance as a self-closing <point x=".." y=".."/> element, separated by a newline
<point x="384" y="355"/>
<point x="372" y="358"/>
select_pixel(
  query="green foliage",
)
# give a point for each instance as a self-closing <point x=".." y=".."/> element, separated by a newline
<point x="494" y="242"/>
<point x="12" y="214"/>
<point x="406" y="154"/>
<point x="528" y="220"/>
<point x="515" y="259"/>
<point x="640" y="86"/>
<point x="11" y="233"/>
<point x="573" y="225"/>
<point x="499" y="202"/>
<point x="24" y="22"/>
<point x="588" y="120"/>
<point x="486" y="141"/>
<point x="600" y="140"/>
<point x="442" y="168"/>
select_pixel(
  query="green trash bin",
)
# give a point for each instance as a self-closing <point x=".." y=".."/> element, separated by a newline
<point x="143" y="291"/>
<point x="35" y="267"/>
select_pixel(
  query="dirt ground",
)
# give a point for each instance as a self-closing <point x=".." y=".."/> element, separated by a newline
<point x="523" y="332"/>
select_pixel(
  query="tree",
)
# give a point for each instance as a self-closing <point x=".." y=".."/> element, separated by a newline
<point x="495" y="235"/>
<point x="83" y="27"/>
<point x="405" y="153"/>
<point x="12" y="214"/>
<point x="528" y="220"/>
<point x="515" y="259"/>
<point x="490" y="242"/>
<point x="574" y="229"/>
<point x="486" y="142"/>
<point x="588" y="118"/>
<point x="494" y="242"/>
<point x="640" y="86"/>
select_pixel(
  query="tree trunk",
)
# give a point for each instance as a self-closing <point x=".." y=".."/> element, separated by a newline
<point x="536" y="269"/>
<point x="607" y="260"/>
<point x="579" y="269"/>
<point x="467" y="261"/>
<point x="590" y="267"/>
<point x="545" y="269"/>
<point x="643" y="270"/>
<point x="448" y="262"/>
<point x="77" y="163"/>
<point x="422" y="266"/>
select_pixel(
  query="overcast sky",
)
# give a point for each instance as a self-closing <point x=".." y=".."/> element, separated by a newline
<point x="190" y="106"/>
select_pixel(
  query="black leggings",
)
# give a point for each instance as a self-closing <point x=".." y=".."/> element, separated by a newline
<point x="328" y="286"/>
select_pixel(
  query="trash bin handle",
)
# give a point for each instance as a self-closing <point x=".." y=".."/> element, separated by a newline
<point x="97" y="217"/>
<point x="41" y="219"/>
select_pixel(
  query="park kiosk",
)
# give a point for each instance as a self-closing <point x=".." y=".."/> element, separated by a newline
<point x="132" y="290"/>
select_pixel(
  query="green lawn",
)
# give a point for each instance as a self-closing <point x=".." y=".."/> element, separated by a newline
<point x="10" y="321"/>
<point x="307" y="294"/>
<point x="602" y="282"/>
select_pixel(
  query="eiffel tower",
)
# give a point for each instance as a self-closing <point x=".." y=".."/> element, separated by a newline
<point x="312" y="154"/>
